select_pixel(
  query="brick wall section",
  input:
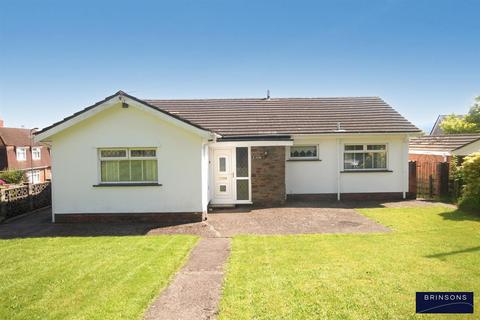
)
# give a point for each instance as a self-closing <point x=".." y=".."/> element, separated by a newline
<point x="365" y="196"/>
<point x="268" y="176"/>
<point x="162" y="218"/>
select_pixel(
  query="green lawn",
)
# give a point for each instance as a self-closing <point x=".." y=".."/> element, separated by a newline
<point x="86" y="278"/>
<point x="366" y="276"/>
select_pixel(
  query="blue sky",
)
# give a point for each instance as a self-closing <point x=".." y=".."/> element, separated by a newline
<point x="57" y="57"/>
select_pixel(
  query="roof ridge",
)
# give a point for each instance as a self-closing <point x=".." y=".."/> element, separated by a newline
<point x="451" y="135"/>
<point x="264" y="99"/>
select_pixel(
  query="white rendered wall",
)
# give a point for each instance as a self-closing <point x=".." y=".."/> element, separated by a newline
<point x="75" y="165"/>
<point x="307" y="177"/>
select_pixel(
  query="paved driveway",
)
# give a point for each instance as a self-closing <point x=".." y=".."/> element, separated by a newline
<point x="293" y="220"/>
<point x="284" y="220"/>
<point x="307" y="217"/>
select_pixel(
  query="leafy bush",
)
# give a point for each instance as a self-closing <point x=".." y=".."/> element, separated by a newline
<point x="12" y="176"/>
<point x="456" y="175"/>
<point x="470" y="168"/>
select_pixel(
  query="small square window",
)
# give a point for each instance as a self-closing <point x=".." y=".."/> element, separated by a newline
<point x="142" y="153"/>
<point x="21" y="154"/>
<point x="376" y="147"/>
<point x="33" y="176"/>
<point x="354" y="147"/>
<point x="303" y="152"/>
<point x="120" y="153"/>
<point x="223" y="188"/>
<point x="36" y="153"/>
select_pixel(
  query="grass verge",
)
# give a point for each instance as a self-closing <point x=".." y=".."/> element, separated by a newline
<point x="355" y="276"/>
<point x="86" y="278"/>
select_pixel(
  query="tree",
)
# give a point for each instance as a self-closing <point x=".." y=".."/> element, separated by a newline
<point x="469" y="124"/>
<point x="454" y="124"/>
<point x="473" y="115"/>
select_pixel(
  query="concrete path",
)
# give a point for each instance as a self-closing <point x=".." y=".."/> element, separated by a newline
<point x="195" y="291"/>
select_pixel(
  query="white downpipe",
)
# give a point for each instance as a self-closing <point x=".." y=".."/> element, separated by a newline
<point x="338" y="169"/>
<point x="404" y="167"/>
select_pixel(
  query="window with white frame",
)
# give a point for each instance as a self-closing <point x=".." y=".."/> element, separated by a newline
<point x="365" y="156"/>
<point x="36" y="153"/>
<point x="304" y="152"/>
<point x="33" y="176"/>
<point x="128" y="165"/>
<point x="21" y="154"/>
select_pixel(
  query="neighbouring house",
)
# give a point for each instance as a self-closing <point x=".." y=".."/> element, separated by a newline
<point x="433" y="155"/>
<point x="169" y="160"/>
<point x="19" y="151"/>
<point x="441" y="148"/>
<point x="436" y="129"/>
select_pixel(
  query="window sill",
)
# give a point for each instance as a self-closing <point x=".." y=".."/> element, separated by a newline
<point x="363" y="171"/>
<point x="147" y="184"/>
<point x="301" y="160"/>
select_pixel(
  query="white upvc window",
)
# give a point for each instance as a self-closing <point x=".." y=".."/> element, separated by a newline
<point x="303" y="152"/>
<point x="128" y="165"/>
<point x="21" y="154"/>
<point x="365" y="157"/>
<point x="33" y="176"/>
<point x="36" y="153"/>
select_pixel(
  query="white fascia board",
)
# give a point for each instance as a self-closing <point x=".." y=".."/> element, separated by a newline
<point x="131" y="103"/>
<point x="429" y="152"/>
<point x="345" y="135"/>
<point x="264" y="143"/>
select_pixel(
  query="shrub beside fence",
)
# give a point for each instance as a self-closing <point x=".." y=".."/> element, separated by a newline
<point x="17" y="200"/>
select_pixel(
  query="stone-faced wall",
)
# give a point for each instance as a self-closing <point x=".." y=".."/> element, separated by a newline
<point x="268" y="175"/>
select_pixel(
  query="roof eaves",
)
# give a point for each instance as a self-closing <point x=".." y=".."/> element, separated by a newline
<point x="257" y="138"/>
<point x="121" y="93"/>
<point x="466" y="144"/>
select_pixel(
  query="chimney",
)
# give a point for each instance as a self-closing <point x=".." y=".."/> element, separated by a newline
<point x="339" y="127"/>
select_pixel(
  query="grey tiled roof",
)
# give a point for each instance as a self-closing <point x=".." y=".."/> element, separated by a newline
<point x="444" y="143"/>
<point x="286" y="116"/>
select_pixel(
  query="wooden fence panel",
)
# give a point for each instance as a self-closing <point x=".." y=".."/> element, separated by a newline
<point x="433" y="179"/>
<point x="412" y="179"/>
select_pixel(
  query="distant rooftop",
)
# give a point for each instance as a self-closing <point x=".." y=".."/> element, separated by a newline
<point x="437" y="130"/>
<point x="442" y="143"/>
<point x="16" y="136"/>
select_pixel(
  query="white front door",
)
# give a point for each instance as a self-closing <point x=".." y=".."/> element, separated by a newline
<point x="223" y="176"/>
